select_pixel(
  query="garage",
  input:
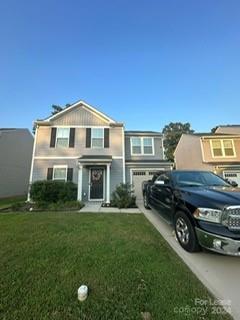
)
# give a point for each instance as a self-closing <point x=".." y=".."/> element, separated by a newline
<point x="138" y="176"/>
<point x="232" y="176"/>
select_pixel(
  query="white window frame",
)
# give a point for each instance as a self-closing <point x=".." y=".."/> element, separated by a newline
<point x="95" y="147"/>
<point x="222" y="148"/>
<point x="58" y="128"/>
<point x="60" y="167"/>
<point x="142" y="147"/>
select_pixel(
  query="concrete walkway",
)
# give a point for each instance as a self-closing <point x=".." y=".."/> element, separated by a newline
<point x="96" y="207"/>
<point x="220" y="274"/>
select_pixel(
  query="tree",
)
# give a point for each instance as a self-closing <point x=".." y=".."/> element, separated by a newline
<point x="213" y="130"/>
<point x="172" y="133"/>
<point x="56" y="109"/>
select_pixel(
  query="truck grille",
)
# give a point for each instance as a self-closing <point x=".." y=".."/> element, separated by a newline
<point x="231" y="218"/>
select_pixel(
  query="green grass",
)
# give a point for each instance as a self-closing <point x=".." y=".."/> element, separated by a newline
<point x="6" y="202"/>
<point x="129" y="268"/>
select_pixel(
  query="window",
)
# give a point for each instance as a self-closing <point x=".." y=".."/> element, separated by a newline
<point x="97" y="137"/>
<point x="60" y="173"/>
<point x="147" y="146"/>
<point x="222" y="148"/>
<point x="142" y="146"/>
<point x="136" y="146"/>
<point x="228" y="148"/>
<point x="217" y="148"/>
<point x="62" y="139"/>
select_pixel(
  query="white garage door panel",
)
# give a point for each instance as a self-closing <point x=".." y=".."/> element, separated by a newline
<point x="232" y="176"/>
<point x="138" y="176"/>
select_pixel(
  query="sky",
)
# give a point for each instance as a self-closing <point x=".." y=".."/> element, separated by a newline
<point x="143" y="62"/>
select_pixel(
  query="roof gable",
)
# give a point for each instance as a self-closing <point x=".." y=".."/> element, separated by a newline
<point x="80" y="113"/>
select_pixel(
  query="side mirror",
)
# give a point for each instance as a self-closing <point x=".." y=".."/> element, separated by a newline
<point x="233" y="184"/>
<point x="159" y="183"/>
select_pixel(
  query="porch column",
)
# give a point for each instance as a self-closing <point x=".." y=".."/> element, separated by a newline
<point x="108" y="184"/>
<point x="80" y="169"/>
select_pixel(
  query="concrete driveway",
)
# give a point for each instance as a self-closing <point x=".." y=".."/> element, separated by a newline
<point x="220" y="274"/>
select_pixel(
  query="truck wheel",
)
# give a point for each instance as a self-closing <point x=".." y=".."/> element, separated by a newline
<point x="145" y="201"/>
<point x="185" y="232"/>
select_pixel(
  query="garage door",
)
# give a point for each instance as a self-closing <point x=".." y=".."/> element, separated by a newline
<point x="232" y="176"/>
<point x="138" y="176"/>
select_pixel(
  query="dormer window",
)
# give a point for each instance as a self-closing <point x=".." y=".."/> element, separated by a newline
<point x="142" y="146"/>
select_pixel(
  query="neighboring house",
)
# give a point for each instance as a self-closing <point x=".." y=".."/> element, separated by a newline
<point x="83" y="145"/>
<point x="15" y="161"/>
<point x="218" y="152"/>
<point x="229" y="129"/>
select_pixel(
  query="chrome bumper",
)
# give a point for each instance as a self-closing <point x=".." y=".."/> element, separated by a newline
<point x="218" y="243"/>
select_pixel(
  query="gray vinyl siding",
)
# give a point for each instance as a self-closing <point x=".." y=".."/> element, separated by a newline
<point x="15" y="161"/>
<point x="41" y="166"/>
<point x="43" y="144"/>
<point x="158" y="150"/>
<point x="79" y="116"/>
<point x="116" y="172"/>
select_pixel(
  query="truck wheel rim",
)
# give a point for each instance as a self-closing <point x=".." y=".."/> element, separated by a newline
<point x="182" y="231"/>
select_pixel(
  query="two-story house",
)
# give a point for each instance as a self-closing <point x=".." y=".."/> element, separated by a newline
<point x="218" y="152"/>
<point x="83" y="145"/>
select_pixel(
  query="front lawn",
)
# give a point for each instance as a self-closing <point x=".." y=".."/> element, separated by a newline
<point x="7" y="202"/>
<point x="129" y="268"/>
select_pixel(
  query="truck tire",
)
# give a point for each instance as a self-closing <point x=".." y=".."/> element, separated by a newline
<point x="145" y="201"/>
<point x="185" y="232"/>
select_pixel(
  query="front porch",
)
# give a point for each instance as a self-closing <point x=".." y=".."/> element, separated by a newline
<point x="94" y="178"/>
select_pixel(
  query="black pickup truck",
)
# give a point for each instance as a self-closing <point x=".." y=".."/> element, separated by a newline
<point x="203" y="208"/>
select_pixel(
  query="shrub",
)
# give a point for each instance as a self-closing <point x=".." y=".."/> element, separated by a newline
<point x="59" y="206"/>
<point x="53" y="191"/>
<point x="123" y="196"/>
<point x="17" y="206"/>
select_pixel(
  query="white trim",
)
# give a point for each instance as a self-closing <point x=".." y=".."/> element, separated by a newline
<point x="89" y="182"/>
<point x="76" y="157"/>
<point x="53" y="157"/>
<point x="32" y="163"/>
<point x="108" y="184"/>
<point x="222" y="148"/>
<point x="123" y="155"/>
<point x="163" y="149"/>
<point x="143" y="169"/>
<point x="142" y="146"/>
<point x="59" y="166"/>
<point x="76" y="126"/>
<point x="102" y="147"/>
<point x="84" y="104"/>
<point x="80" y="174"/>
<point x="202" y="150"/>
<point x="169" y="164"/>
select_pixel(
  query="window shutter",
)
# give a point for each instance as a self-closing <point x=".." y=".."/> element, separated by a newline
<point x="88" y="137"/>
<point x="53" y="137"/>
<point x="69" y="174"/>
<point x="49" y="173"/>
<point x="72" y="138"/>
<point x="106" y="138"/>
